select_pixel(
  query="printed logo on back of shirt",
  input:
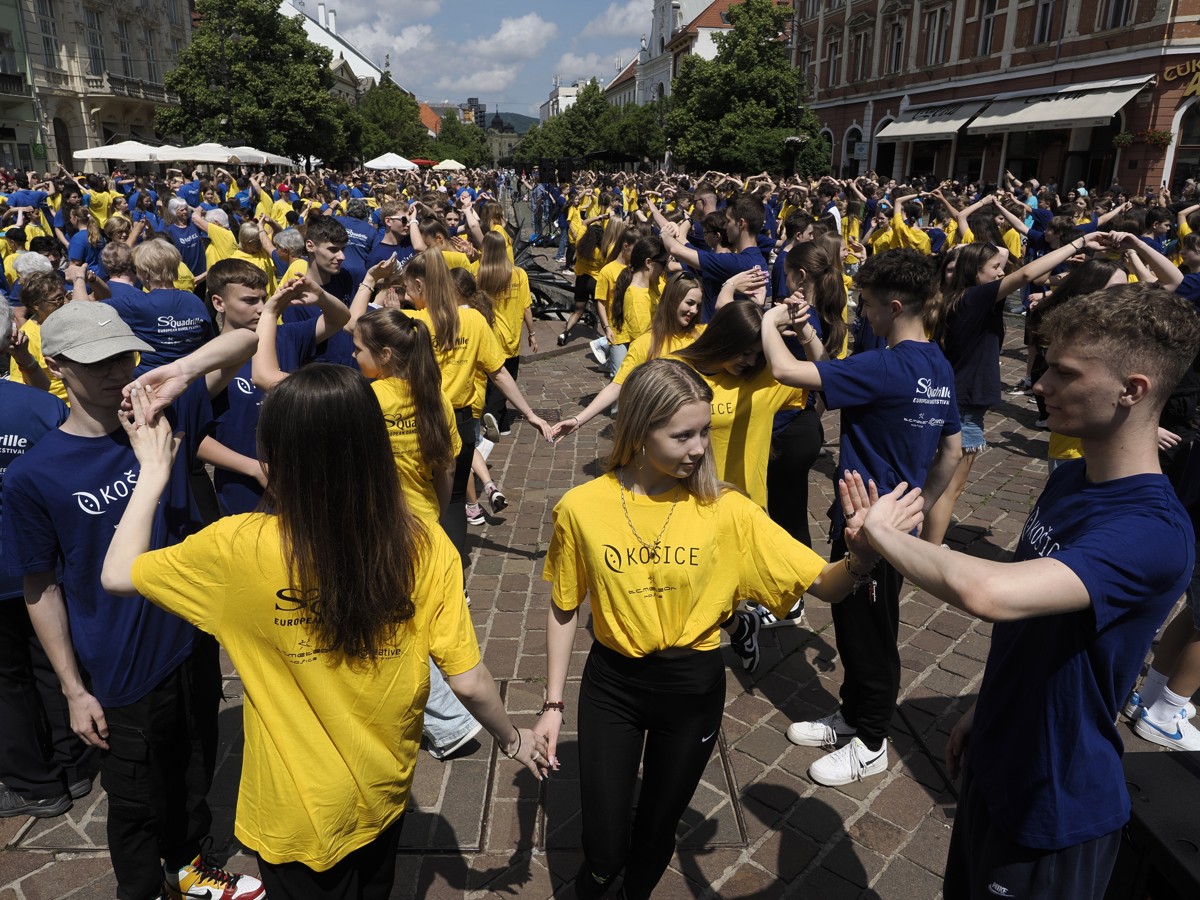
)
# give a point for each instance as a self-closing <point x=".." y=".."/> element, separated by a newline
<point x="928" y="392"/>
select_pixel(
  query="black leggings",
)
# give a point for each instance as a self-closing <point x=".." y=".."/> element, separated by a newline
<point x="794" y="451"/>
<point x="665" y="713"/>
<point x="454" y="519"/>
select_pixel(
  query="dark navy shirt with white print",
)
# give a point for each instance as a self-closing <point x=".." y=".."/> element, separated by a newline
<point x="62" y="502"/>
<point x="896" y="405"/>
<point x="171" y="321"/>
<point x="235" y="415"/>
<point x="1044" y="750"/>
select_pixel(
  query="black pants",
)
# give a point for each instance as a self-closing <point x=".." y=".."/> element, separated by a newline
<point x="982" y="861"/>
<point x="365" y="874"/>
<point x="495" y="402"/>
<point x="454" y="519"/>
<point x="157" y="771"/>
<point x="39" y="753"/>
<point x="664" y="713"/>
<point x="866" y="632"/>
<point x="794" y="450"/>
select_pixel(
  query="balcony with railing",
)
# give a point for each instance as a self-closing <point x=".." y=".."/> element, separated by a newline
<point x="14" y="85"/>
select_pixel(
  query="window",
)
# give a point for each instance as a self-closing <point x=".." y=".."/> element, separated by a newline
<point x="150" y="39"/>
<point x="176" y="49"/>
<point x="811" y="8"/>
<point x="49" y="29"/>
<point x="834" y="4"/>
<point x="833" y="74"/>
<point x="8" y="54"/>
<point x="1043" y="27"/>
<point x="1118" y="13"/>
<point x="95" y="42"/>
<point x="987" y="26"/>
<point x="895" y="48"/>
<point x="862" y="56"/>
<point x="937" y="34"/>
<point x="125" y="48"/>
<point x="173" y="12"/>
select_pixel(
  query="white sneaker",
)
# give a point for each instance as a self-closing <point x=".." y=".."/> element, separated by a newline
<point x="1185" y="737"/>
<point x="599" y="348"/>
<point x="1133" y="708"/>
<point x="854" y="762"/>
<point x="447" y="752"/>
<point x="821" y="733"/>
<point x="491" y="428"/>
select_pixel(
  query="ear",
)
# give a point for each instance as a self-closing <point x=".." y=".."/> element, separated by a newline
<point x="1137" y="389"/>
<point x="217" y="302"/>
<point x="53" y="366"/>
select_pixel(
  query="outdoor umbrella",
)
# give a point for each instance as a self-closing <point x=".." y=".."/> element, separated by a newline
<point x="390" y="161"/>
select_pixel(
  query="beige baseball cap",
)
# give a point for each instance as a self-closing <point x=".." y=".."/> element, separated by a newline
<point x="86" y="331"/>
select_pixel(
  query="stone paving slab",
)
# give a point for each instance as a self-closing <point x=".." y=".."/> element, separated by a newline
<point x="757" y="827"/>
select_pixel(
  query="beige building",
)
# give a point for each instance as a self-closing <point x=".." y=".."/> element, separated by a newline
<point x="98" y="68"/>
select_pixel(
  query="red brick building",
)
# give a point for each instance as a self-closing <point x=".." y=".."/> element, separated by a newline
<point x="968" y="88"/>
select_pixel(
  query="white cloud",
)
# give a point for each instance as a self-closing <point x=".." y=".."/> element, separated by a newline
<point x="353" y="14"/>
<point x="629" y="19"/>
<point x="571" y="66"/>
<point x="515" y="41"/>
<point x="478" y="82"/>
<point x="379" y="39"/>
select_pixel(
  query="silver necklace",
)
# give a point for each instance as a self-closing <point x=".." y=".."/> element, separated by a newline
<point x="652" y="549"/>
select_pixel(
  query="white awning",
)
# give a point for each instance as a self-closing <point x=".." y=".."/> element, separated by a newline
<point x="1074" y="106"/>
<point x="931" y="123"/>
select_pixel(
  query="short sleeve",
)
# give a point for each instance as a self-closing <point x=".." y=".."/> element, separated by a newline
<point x="455" y="439"/>
<point x="776" y="568"/>
<point x="189" y="578"/>
<point x="524" y="296"/>
<point x="452" y="641"/>
<point x="29" y="539"/>
<point x="491" y="356"/>
<point x="853" y="381"/>
<point x="638" y="351"/>
<point x="565" y="564"/>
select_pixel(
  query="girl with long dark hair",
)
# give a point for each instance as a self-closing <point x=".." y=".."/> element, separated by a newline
<point x="329" y="608"/>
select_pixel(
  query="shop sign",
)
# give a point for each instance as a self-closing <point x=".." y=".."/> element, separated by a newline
<point x="1191" y="69"/>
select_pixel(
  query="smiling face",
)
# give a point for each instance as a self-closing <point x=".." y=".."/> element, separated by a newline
<point x="689" y="307"/>
<point x="678" y="446"/>
<point x="744" y="361"/>
<point x="992" y="270"/>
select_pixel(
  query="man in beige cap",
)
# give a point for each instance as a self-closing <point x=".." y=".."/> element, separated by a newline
<point x="155" y="680"/>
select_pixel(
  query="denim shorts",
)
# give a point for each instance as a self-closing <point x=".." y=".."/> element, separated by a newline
<point x="971" y="417"/>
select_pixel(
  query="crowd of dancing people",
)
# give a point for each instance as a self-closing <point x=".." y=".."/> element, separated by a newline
<point x="256" y="412"/>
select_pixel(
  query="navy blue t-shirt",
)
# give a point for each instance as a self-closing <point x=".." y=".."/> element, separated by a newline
<point x="1044" y="750"/>
<point x="382" y="251"/>
<point x="172" y="321"/>
<point x="26" y="416"/>
<point x="717" y="268"/>
<point x="338" y="349"/>
<point x="63" y="500"/>
<point x="235" y="415"/>
<point x="81" y="250"/>
<point x="896" y="406"/>
<point x="358" y="247"/>
<point x="189" y="241"/>
<point x="974" y="333"/>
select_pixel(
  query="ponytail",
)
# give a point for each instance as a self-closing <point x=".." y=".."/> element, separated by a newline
<point x="645" y="251"/>
<point x="440" y="296"/>
<point x="470" y="294"/>
<point x="410" y="358"/>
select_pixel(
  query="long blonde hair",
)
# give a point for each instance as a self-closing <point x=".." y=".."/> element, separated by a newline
<point x="440" y="296"/>
<point x="495" y="268"/>
<point x="651" y="395"/>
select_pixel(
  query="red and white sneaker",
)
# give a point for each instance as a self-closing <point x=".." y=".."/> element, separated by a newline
<point x="200" y="880"/>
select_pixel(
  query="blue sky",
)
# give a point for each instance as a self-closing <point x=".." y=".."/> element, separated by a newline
<point x="504" y="53"/>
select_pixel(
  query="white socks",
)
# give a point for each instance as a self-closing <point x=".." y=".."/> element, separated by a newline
<point x="1152" y="687"/>
<point x="1166" y="708"/>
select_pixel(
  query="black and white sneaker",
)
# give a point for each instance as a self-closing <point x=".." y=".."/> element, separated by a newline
<point x="744" y="640"/>
<point x="495" y="497"/>
<point x="768" y="619"/>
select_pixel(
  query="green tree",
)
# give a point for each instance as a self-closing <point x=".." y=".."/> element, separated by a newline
<point x="462" y="141"/>
<point x="391" y="121"/>
<point x="251" y="75"/>
<point x="637" y="131"/>
<point x="734" y="111"/>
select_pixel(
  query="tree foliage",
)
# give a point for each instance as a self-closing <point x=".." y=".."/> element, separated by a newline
<point x="593" y="125"/>
<point x="251" y="75"/>
<point x="391" y="121"/>
<point x="462" y="141"/>
<point x="733" y="112"/>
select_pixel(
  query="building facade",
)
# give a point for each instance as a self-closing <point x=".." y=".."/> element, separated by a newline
<point x="562" y="97"/>
<point x="21" y="137"/>
<point x="1064" y="90"/>
<point x="98" y="67"/>
<point x="657" y="62"/>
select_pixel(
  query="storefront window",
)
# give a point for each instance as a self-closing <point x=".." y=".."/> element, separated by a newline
<point x="1187" y="153"/>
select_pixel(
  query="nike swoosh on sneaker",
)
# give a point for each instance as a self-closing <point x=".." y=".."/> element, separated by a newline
<point x="1176" y="735"/>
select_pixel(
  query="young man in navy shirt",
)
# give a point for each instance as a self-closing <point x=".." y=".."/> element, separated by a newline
<point x="155" y="680"/>
<point x="899" y="424"/>
<point x="1103" y="556"/>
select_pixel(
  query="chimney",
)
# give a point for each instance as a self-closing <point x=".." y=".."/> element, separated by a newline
<point x="333" y="21"/>
<point x="321" y="14"/>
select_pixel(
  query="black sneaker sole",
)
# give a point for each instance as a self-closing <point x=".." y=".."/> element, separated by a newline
<point x="40" y="809"/>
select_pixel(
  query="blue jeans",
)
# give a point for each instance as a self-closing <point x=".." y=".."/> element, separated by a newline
<point x="562" y="242"/>
<point x="616" y="356"/>
<point x="446" y="719"/>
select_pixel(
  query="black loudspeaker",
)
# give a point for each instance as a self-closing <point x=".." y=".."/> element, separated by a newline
<point x="546" y="169"/>
<point x="564" y="169"/>
<point x="1160" y="849"/>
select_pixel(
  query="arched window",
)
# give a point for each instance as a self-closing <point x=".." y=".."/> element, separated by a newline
<point x="62" y="140"/>
<point x="1187" y="149"/>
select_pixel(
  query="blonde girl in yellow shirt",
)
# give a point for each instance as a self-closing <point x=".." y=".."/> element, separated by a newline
<point x="662" y="552"/>
<point x="329" y="608"/>
<point x="508" y="287"/>
<point x="675" y="325"/>
<point x="464" y="345"/>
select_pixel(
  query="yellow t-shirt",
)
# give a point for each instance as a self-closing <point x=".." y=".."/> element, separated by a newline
<point x="743" y="411"/>
<point x="711" y="557"/>
<point x="184" y="279"/>
<point x="100" y="203"/>
<point x="475" y="351"/>
<point x="297" y="267"/>
<point x="263" y="261"/>
<point x="589" y="266"/>
<point x="508" y="311"/>
<point x="503" y="232"/>
<point x="279" y="210"/>
<point x="34" y="332"/>
<point x="905" y="236"/>
<point x="606" y="280"/>
<point x="330" y="747"/>
<point x="638" y="311"/>
<point x="456" y="259"/>
<point x="639" y="350"/>
<point x="416" y="476"/>
<point x="221" y="244"/>
<point x="1063" y="447"/>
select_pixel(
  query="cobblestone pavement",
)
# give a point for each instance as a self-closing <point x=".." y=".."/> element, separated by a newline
<point x="757" y="826"/>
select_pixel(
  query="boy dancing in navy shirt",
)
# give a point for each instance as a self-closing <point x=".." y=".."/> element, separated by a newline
<point x="899" y="424"/>
<point x="1105" y="553"/>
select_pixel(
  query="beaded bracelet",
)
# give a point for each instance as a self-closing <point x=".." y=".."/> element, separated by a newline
<point x="559" y="705"/>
